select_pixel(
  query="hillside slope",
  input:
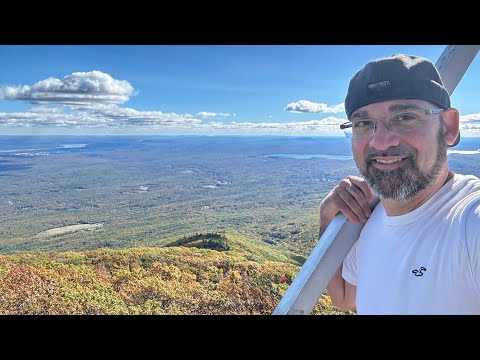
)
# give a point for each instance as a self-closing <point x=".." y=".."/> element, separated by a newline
<point x="211" y="273"/>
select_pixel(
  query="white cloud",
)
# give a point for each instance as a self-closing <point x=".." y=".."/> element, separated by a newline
<point x="469" y="118"/>
<point x="75" y="89"/>
<point x="44" y="109"/>
<point x="470" y="124"/>
<point x="311" y="124"/>
<point x="331" y="121"/>
<point x="111" y="116"/>
<point x="210" y="114"/>
<point x="101" y="116"/>
<point x="306" y="106"/>
<point x="313" y="127"/>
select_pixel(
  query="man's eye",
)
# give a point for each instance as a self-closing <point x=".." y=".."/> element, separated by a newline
<point x="405" y="117"/>
<point x="362" y="123"/>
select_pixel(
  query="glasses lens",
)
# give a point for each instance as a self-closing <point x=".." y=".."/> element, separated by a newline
<point x="348" y="132"/>
<point x="347" y="129"/>
<point x="406" y="121"/>
<point x="363" y="128"/>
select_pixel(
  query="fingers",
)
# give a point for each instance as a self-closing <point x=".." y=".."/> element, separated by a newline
<point x="351" y="197"/>
<point x="362" y="194"/>
<point x="354" y="205"/>
<point x="361" y="184"/>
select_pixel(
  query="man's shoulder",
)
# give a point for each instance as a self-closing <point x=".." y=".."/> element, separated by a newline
<point x="465" y="178"/>
<point x="467" y="184"/>
<point x="463" y="195"/>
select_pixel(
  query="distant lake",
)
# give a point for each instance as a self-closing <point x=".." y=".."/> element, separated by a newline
<point x="350" y="157"/>
<point x="310" y="156"/>
<point x="463" y="152"/>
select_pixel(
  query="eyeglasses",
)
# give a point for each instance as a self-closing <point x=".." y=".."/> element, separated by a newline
<point x="401" y="123"/>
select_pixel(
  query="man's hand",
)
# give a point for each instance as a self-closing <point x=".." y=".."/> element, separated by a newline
<point x="352" y="197"/>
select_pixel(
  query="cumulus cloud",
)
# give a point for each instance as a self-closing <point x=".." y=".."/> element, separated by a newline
<point x="111" y="116"/>
<point x="324" y="126"/>
<point x="210" y="114"/>
<point x="306" y="106"/>
<point x="469" y="118"/>
<point x="102" y="116"/>
<point x="78" y="88"/>
<point x="329" y="122"/>
<point x="470" y="124"/>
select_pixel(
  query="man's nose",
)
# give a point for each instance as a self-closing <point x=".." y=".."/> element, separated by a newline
<point x="382" y="137"/>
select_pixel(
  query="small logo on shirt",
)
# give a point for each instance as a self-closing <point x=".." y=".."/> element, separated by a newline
<point x="419" y="272"/>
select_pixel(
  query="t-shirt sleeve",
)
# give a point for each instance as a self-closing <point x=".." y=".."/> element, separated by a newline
<point x="473" y="242"/>
<point x="349" y="267"/>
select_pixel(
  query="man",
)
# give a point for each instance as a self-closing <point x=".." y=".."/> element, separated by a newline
<point x="419" y="251"/>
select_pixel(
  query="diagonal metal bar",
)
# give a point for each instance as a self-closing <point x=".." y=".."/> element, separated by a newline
<point x="454" y="62"/>
<point x="339" y="237"/>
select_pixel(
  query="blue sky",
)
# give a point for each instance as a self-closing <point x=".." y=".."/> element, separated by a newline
<point x="194" y="89"/>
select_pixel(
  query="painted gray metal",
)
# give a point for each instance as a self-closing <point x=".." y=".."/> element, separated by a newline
<point x="454" y="62"/>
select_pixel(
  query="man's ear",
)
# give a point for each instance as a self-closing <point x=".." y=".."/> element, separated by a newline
<point x="451" y="121"/>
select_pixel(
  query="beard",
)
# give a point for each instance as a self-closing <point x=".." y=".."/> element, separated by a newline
<point x="406" y="181"/>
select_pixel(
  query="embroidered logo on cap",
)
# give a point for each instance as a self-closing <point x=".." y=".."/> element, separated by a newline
<point x="379" y="85"/>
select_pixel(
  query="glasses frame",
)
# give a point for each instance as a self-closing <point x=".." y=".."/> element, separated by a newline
<point x="349" y="124"/>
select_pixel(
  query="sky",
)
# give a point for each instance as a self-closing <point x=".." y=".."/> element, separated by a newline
<point x="287" y="90"/>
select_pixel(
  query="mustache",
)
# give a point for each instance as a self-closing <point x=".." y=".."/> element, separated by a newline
<point x="398" y="151"/>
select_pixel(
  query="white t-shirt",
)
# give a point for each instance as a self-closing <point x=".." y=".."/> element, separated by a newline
<point x="423" y="262"/>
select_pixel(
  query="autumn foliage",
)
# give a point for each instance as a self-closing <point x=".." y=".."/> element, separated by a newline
<point x="167" y="280"/>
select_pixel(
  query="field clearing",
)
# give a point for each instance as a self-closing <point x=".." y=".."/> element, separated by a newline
<point x="67" y="230"/>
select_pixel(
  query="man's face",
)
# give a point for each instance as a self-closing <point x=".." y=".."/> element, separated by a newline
<point x="399" y="165"/>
